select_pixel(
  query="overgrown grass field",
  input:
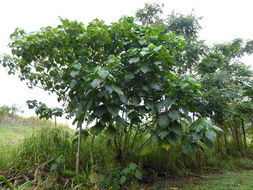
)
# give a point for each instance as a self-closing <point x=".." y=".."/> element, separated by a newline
<point x="46" y="156"/>
<point x="13" y="134"/>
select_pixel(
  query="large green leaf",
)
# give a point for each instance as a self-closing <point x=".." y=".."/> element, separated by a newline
<point x="120" y="122"/>
<point x="135" y="101"/>
<point x="74" y="73"/>
<point x="195" y="136"/>
<point x="165" y="145"/>
<point x="73" y="84"/>
<point x="129" y="77"/>
<point x="164" y="104"/>
<point x="176" y="128"/>
<point x="95" y="83"/>
<point x="163" y="134"/>
<point x="122" y="180"/>
<point x="174" y="115"/>
<point x="145" y="69"/>
<point x="98" y="128"/>
<point x="77" y="66"/>
<point x="100" y="110"/>
<point x="126" y="171"/>
<point x="113" y="109"/>
<point x="172" y="138"/>
<point x="150" y="105"/>
<point x="208" y="143"/>
<point x="109" y="88"/>
<point x="164" y="120"/>
<point x="155" y="86"/>
<point x="123" y="98"/>
<point x="117" y="90"/>
<point x="134" y="60"/>
<point x="133" y="166"/>
<point x="210" y="135"/>
<point x="103" y="73"/>
<point x="138" y="174"/>
<point x="146" y="150"/>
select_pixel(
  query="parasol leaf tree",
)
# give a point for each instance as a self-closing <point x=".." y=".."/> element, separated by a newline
<point x="112" y="78"/>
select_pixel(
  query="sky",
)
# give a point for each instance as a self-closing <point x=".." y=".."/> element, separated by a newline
<point x="223" y="20"/>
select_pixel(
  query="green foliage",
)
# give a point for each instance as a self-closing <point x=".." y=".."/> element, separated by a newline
<point x="113" y="76"/>
<point x="110" y="178"/>
<point x="200" y="132"/>
<point x="8" y="112"/>
<point x="43" y="111"/>
<point x="132" y="174"/>
<point x="187" y="26"/>
<point x="150" y="14"/>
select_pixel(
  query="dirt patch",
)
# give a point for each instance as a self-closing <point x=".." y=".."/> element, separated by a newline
<point x="179" y="182"/>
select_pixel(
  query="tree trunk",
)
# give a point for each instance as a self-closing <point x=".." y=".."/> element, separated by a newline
<point x="238" y="139"/>
<point x="79" y="125"/>
<point x="219" y="149"/>
<point x="244" y="137"/>
<point x="55" y="123"/>
<point x="226" y="144"/>
<point x="91" y="151"/>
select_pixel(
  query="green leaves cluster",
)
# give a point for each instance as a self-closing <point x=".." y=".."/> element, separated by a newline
<point x="115" y="76"/>
<point x="202" y="132"/>
<point x="43" y="111"/>
<point x="131" y="174"/>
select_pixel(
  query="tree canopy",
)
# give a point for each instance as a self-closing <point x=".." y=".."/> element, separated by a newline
<point x="154" y="78"/>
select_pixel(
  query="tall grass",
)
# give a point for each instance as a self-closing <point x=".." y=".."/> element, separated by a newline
<point x="5" y="153"/>
<point x="52" y="150"/>
<point x="41" y="148"/>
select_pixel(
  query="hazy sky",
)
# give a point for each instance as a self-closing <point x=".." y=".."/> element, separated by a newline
<point x="222" y="21"/>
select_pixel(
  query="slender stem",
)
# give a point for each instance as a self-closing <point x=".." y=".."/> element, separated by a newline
<point x="142" y="145"/>
<point x="225" y="142"/>
<point x="127" y="137"/>
<point x="133" y="142"/>
<point x="91" y="151"/>
<point x="79" y="125"/>
<point x="244" y="136"/>
<point x="55" y="124"/>
<point x="237" y="138"/>
<point x="115" y="142"/>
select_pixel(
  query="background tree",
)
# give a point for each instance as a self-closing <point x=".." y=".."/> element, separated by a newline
<point x="185" y="25"/>
<point x="226" y="83"/>
<point x="150" y="15"/>
<point x="225" y="80"/>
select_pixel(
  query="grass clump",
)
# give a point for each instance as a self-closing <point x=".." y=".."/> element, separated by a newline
<point x="41" y="148"/>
